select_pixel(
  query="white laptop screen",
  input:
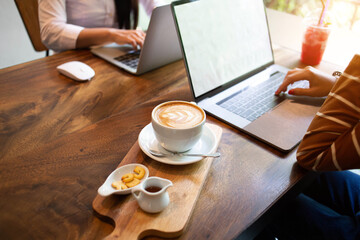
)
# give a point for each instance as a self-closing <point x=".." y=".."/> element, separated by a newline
<point x="222" y="40"/>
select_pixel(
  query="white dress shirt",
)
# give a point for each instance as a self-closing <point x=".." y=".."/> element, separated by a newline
<point x="61" y="21"/>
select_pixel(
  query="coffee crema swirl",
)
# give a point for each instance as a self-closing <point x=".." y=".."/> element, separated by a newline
<point x="179" y="115"/>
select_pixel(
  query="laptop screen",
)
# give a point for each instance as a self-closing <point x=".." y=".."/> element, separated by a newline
<point x="222" y="40"/>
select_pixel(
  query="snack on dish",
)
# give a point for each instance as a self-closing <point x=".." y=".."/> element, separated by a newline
<point x="139" y="172"/>
<point x="110" y="187"/>
<point x="130" y="179"/>
<point x="127" y="177"/>
<point x="119" y="185"/>
<point x="133" y="183"/>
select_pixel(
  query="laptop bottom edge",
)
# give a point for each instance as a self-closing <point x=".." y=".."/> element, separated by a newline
<point x="282" y="128"/>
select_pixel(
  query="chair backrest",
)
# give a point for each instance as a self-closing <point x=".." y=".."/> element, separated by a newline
<point x="28" y="10"/>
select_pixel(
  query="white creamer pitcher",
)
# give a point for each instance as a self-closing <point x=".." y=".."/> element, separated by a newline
<point x="151" y="194"/>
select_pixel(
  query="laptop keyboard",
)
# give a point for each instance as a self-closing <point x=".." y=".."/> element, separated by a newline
<point x="130" y="59"/>
<point x="257" y="100"/>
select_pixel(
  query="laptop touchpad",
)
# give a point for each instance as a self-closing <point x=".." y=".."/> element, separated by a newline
<point x="285" y="125"/>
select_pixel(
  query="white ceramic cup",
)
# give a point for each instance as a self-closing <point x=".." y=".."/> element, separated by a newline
<point x="177" y="139"/>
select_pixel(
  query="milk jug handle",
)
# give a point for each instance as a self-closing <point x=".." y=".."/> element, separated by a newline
<point x="136" y="192"/>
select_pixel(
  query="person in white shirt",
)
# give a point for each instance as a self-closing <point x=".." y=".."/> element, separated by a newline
<point x="71" y="24"/>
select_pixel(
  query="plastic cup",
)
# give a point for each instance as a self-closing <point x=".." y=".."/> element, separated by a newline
<point x="314" y="44"/>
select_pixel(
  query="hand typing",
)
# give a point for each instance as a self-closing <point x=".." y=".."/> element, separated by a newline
<point x="133" y="37"/>
<point x="320" y="83"/>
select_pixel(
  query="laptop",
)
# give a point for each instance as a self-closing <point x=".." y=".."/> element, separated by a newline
<point x="230" y="67"/>
<point x="160" y="46"/>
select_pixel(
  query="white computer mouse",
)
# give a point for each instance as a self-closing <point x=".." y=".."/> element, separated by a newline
<point x="76" y="70"/>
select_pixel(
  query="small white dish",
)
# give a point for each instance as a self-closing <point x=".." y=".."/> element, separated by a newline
<point x="106" y="189"/>
<point x="206" y="144"/>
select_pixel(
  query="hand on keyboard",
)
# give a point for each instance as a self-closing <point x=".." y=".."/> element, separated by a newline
<point x="319" y="84"/>
<point x="123" y="36"/>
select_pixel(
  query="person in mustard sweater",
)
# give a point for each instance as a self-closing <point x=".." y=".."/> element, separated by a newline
<point x="330" y="207"/>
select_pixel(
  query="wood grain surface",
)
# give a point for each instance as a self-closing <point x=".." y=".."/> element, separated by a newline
<point x="133" y="223"/>
<point x="60" y="139"/>
<point x="39" y="104"/>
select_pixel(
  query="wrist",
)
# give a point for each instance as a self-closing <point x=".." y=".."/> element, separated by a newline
<point x="110" y="35"/>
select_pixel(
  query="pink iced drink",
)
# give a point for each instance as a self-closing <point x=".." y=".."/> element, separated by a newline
<point x="314" y="44"/>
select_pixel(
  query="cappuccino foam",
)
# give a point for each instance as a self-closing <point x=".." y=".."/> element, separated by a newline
<point x="179" y="115"/>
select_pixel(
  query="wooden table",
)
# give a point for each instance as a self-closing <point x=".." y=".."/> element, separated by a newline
<point x="60" y="139"/>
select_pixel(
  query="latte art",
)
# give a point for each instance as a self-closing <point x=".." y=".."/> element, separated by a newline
<point x="179" y="115"/>
<point x="177" y="125"/>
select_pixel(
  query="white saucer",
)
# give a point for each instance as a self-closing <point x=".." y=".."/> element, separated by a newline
<point x="206" y="144"/>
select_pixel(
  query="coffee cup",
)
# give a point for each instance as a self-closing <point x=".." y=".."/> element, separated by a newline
<point x="178" y="125"/>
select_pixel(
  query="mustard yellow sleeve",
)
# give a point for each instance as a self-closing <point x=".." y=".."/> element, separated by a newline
<point x="332" y="140"/>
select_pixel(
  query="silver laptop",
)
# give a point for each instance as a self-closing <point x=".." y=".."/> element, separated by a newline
<point x="230" y="66"/>
<point x="160" y="47"/>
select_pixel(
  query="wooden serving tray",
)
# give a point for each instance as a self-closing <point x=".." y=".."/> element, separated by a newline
<point x="133" y="223"/>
